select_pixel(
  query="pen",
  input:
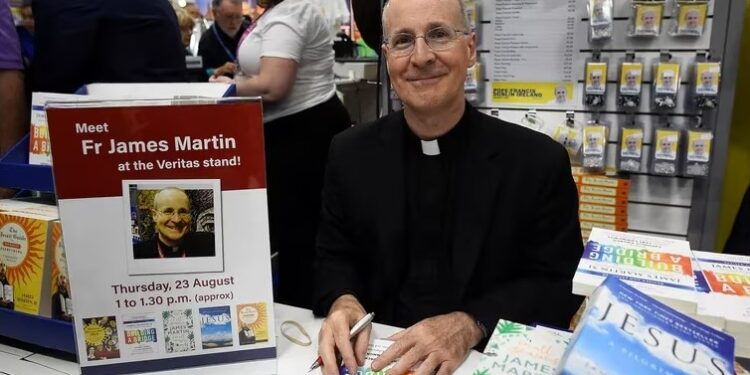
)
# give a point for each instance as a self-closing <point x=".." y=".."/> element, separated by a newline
<point x="357" y="328"/>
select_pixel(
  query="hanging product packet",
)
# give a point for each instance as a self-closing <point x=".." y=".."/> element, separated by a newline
<point x="698" y="152"/>
<point x="600" y="19"/>
<point x="630" y="147"/>
<point x="666" y="146"/>
<point x="594" y="146"/>
<point x="689" y="18"/>
<point x="645" y="19"/>
<point x="595" y="88"/>
<point x="630" y="84"/>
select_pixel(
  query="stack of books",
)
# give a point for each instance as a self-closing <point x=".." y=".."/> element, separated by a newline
<point x="624" y="331"/>
<point x="33" y="266"/>
<point x="603" y="202"/>
<point x="726" y="294"/>
<point x="659" y="267"/>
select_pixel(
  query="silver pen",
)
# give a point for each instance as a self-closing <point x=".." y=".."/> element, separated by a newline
<point x="356" y="329"/>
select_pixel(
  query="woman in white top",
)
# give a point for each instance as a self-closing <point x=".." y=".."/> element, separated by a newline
<point x="287" y="59"/>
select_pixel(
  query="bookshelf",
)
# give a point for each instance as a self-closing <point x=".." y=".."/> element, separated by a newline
<point x="15" y="172"/>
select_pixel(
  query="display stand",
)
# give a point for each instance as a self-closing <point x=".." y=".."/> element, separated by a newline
<point x="16" y="172"/>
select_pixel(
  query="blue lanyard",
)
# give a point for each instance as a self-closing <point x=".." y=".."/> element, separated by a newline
<point x="218" y="37"/>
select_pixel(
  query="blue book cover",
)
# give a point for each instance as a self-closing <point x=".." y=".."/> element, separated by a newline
<point x="216" y="327"/>
<point x="624" y="331"/>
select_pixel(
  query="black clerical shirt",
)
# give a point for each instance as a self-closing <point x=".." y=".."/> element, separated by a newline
<point x="428" y="288"/>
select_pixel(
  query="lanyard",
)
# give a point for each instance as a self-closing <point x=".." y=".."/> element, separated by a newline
<point x="252" y="26"/>
<point x="218" y="37"/>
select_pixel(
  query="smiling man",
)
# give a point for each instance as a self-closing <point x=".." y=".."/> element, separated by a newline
<point x="439" y="218"/>
<point x="173" y="237"/>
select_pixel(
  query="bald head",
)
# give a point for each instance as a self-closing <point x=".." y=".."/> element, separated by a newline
<point x="458" y="5"/>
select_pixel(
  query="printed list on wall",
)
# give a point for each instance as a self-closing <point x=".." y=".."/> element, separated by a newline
<point x="533" y="52"/>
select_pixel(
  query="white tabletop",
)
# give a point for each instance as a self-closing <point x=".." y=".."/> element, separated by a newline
<point x="292" y="359"/>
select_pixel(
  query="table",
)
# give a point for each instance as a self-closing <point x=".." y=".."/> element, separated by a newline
<point x="295" y="359"/>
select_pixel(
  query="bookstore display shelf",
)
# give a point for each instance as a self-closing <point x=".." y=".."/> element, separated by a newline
<point x="38" y="330"/>
<point x="16" y="172"/>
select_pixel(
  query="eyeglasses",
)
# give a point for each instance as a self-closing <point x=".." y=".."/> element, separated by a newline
<point x="438" y="39"/>
<point x="184" y="215"/>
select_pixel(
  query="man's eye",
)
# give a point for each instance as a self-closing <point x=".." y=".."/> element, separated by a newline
<point x="439" y="34"/>
<point x="400" y="41"/>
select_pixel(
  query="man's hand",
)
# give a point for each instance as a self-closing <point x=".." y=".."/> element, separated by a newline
<point x="334" y="335"/>
<point x="229" y="68"/>
<point x="440" y="343"/>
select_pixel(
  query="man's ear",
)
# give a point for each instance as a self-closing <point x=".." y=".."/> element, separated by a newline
<point x="472" y="48"/>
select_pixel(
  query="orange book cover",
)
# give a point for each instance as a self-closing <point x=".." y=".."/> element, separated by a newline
<point x="24" y="263"/>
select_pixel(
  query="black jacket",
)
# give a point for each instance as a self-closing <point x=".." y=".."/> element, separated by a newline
<point x="194" y="244"/>
<point x="516" y="239"/>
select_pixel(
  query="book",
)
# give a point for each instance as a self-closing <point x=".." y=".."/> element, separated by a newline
<point x="374" y="350"/>
<point x="216" y="327"/>
<point x="141" y="335"/>
<point x="179" y="334"/>
<point x="706" y="312"/>
<point x="100" y="335"/>
<point x="728" y="281"/>
<point x="62" y="301"/>
<point x="39" y="144"/>
<point x="660" y="267"/>
<point x="252" y="323"/>
<point x="624" y="331"/>
<point x="25" y="263"/>
<point x="516" y="348"/>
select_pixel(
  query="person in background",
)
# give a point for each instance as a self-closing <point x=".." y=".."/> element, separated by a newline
<point x="287" y="60"/>
<point x="85" y="41"/>
<point x="437" y="218"/>
<point x="187" y="24"/>
<point x="218" y="46"/>
<point x="13" y="108"/>
<point x="26" y="33"/>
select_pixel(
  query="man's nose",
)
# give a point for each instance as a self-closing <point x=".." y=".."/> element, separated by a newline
<point x="422" y="54"/>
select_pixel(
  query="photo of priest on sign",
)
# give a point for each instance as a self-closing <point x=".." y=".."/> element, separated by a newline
<point x="173" y="226"/>
<point x="176" y="233"/>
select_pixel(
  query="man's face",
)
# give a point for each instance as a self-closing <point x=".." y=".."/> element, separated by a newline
<point x="667" y="79"/>
<point x="596" y="78"/>
<point x="592" y="140"/>
<point x="427" y="80"/>
<point x="666" y="146"/>
<point x="172" y="215"/>
<point x="561" y="94"/>
<point x="229" y="17"/>
<point x="630" y="79"/>
<point x="707" y="79"/>
<point x="691" y="19"/>
<point x="598" y="11"/>
<point x="631" y="144"/>
<point x="698" y="147"/>
<point x="27" y="19"/>
<point x="648" y="20"/>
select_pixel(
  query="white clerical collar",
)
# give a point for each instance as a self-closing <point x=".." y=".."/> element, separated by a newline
<point x="430" y="148"/>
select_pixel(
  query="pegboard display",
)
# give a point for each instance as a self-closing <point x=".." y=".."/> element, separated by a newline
<point x="677" y="207"/>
